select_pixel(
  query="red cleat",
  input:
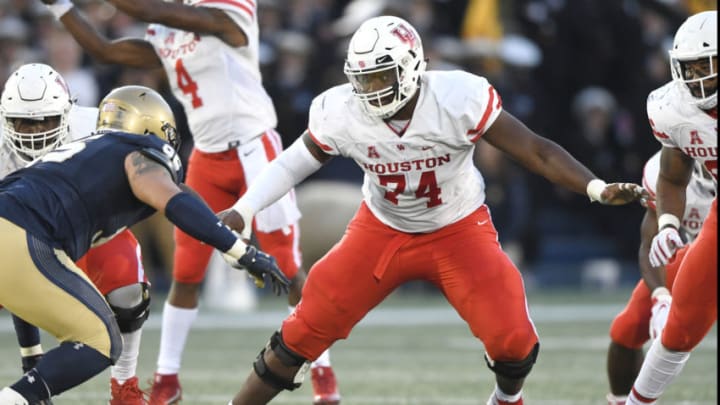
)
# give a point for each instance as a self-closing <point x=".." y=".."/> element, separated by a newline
<point x="325" y="388"/>
<point x="165" y="390"/>
<point x="128" y="393"/>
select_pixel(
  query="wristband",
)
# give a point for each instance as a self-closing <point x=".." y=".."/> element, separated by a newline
<point x="60" y="7"/>
<point x="660" y="291"/>
<point x="594" y="188"/>
<point x="668" y="220"/>
<point x="246" y="213"/>
<point x="31" y="351"/>
<point x="237" y="250"/>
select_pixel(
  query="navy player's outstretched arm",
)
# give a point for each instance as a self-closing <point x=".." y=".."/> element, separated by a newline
<point x="152" y="183"/>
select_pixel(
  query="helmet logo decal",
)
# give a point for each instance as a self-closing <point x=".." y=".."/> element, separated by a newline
<point x="62" y="84"/>
<point x="109" y="107"/>
<point x="405" y="35"/>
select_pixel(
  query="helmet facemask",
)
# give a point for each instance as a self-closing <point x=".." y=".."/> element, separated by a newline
<point x="35" y="107"/>
<point x="699" y="77"/>
<point x="29" y="145"/>
<point x="693" y="58"/>
<point x="384" y="65"/>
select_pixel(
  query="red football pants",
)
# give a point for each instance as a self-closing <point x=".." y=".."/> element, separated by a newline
<point x="114" y="264"/>
<point x="464" y="260"/>
<point x="220" y="180"/>
<point x="631" y="327"/>
<point x="694" y="307"/>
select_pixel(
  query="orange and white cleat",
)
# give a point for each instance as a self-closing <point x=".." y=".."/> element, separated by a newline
<point x="165" y="390"/>
<point x="128" y="393"/>
<point x="325" y="387"/>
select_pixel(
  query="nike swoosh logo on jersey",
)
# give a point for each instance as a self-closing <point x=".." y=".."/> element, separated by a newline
<point x="483" y="222"/>
<point x="248" y="153"/>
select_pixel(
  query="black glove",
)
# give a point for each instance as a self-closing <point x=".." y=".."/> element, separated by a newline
<point x="260" y="264"/>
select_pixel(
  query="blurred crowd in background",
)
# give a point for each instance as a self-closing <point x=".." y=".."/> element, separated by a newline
<point x="575" y="71"/>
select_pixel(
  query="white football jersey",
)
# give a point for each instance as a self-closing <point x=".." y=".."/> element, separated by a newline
<point x="677" y="123"/>
<point x="220" y="87"/>
<point x="81" y="123"/>
<point x="700" y="193"/>
<point x="425" y="179"/>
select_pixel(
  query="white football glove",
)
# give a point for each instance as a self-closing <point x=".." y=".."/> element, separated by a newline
<point x="664" y="245"/>
<point x="661" y="301"/>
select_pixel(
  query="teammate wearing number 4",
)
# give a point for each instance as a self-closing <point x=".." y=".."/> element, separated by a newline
<point x="209" y="50"/>
<point x="646" y="313"/>
<point x="423" y="216"/>
<point x="683" y="116"/>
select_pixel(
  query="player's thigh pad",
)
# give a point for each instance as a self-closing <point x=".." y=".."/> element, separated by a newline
<point x="44" y="287"/>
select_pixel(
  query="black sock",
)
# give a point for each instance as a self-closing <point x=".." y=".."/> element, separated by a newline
<point x="60" y="369"/>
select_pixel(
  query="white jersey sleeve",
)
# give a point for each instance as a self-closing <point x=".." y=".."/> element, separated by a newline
<point x="700" y="193"/>
<point x="425" y="178"/>
<point x="677" y="123"/>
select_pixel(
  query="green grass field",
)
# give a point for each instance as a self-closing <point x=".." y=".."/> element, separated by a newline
<point x="411" y="350"/>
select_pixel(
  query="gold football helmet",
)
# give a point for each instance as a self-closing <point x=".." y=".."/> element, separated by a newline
<point x="137" y="110"/>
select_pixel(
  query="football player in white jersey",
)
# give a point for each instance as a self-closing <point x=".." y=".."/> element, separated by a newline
<point x="209" y="50"/>
<point x="423" y="215"/>
<point x="645" y="314"/>
<point x="683" y="116"/>
<point x="38" y="115"/>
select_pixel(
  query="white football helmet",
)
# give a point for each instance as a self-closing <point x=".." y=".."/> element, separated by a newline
<point x="384" y="63"/>
<point x="35" y="92"/>
<point x="696" y="41"/>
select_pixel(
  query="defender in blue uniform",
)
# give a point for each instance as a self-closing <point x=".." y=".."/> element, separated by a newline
<point x="78" y="196"/>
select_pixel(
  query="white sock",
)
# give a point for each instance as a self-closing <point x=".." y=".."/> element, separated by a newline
<point x="660" y="368"/>
<point x="176" y="323"/>
<point x="126" y="366"/>
<point x="499" y="395"/>
<point x="616" y="399"/>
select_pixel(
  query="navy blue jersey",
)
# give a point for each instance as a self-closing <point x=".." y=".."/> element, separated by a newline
<point x="78" y="194"/>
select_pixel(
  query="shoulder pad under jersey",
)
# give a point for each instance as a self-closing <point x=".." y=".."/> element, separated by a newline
<point x="168" y="157"/>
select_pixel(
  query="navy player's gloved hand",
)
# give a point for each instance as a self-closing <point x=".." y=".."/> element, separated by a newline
<point x="260" y="264"/>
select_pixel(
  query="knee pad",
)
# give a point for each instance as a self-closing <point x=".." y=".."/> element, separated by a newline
<point x="514" y="369"/>
<point x="288" y="358"/>
<point x="131" y="305"/>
